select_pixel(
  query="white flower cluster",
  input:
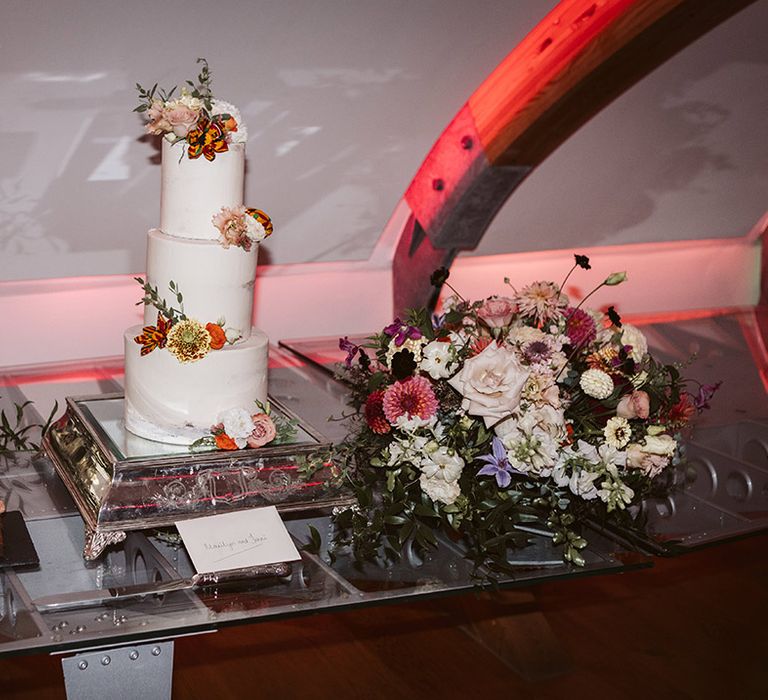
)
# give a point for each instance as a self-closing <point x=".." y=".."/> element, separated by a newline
<point x="221" y="107"/>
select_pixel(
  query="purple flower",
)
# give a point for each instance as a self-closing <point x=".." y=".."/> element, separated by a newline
<point x="706" y="392"/>
<point x="350" y="348"/>
<point x="402" y="331"/>
<point x="498" y="465"/>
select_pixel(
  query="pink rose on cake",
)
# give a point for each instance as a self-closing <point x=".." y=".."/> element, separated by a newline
<point x="181" y="119"/>
<point x="264" y="430"/>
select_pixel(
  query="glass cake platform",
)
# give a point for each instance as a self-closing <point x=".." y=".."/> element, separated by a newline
<point x="122" y="482"/>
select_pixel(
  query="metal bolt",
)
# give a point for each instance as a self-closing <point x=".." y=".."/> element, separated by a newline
<point x="133" y="655"/>
<point x="467" y="143"/>
<point x="82" y="665"/>
<point x="155" y="651"/>
<point x="438" y="184"/>
<point x="105" y="660"/>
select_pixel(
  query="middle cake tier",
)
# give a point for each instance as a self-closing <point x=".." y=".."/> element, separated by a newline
<point x="215" y="282"/>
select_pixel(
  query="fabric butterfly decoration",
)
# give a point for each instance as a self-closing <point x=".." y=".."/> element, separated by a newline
<point x="153" y="336"/>
<point x="206" y="139"/>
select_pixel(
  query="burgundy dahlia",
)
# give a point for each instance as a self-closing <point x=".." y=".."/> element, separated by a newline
<point x="580" y="328"/>
<point x="374" y="413"/>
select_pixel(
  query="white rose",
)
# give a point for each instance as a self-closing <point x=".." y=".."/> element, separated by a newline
<point x="634" y="337"/>
<point x="440" y="490"/>
<point x="254" y="229"/>
<point x="436" y="359"/>
<point x="491" y="383"/>
<point x="660" y="445"/>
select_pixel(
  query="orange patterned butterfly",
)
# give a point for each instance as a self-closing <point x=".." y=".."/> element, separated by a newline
<point x="153" y="336"/>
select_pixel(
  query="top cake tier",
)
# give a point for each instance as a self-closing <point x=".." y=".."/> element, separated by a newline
<point x="192" y="191"/>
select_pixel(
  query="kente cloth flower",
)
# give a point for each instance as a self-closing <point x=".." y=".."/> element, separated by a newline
<point x="635" y="339"/>
<point x="264" y="430"/>
<point x="617" y="432"/>
<point x="413" y="396"/>
<point x="153" y="337"/>
<point x="259" y="224"/>
<point x="634" y="405"/>
<point x="491" y="383"/>
<point x="400" y="332"/>
<point x="218" y="337"/>
<point x="440" y="490"/>
<point x="596" y="383"/>
<point x="437" y="359"/>
<point x="374" y="413"/>
<point x="206" y="139"/>
<point x="497" y="312"/>
<point x="541" y="301"/>
<point x="497" y="464"/>
<point x="188" y="341"/>
<point x="580" y="327"/>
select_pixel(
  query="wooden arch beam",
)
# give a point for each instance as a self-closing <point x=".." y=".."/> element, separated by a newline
<point x="579" y="58"/>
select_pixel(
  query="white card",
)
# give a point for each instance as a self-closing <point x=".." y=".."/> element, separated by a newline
<point x="237" y="540"/>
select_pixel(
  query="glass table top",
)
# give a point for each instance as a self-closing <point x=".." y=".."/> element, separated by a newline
<point x="723" y="492"/>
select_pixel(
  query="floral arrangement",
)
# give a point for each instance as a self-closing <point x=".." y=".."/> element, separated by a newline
<point x="241" y="226"/>
<point x="187" y="339"/>
<point x="207" y="125"/>
<point x="502" y="412"/>
<point x="238" y="429"/>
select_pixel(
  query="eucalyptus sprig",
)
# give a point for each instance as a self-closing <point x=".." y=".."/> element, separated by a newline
<point x="152" y="298"/>
<point x="202" y="89"/>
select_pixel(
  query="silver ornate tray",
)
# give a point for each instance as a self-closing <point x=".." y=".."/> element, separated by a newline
<point x="122" y="482"/>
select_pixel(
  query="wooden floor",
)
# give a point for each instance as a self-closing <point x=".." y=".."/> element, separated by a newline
<point x="691" y="627"/>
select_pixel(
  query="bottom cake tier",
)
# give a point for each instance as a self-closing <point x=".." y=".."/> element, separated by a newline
<point x="174" y="402"/>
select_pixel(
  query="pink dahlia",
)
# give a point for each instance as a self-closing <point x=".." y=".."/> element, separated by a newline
<point x="374" y="413"/>
<point x="413" y="396"/>
<point x="580" y="328"/>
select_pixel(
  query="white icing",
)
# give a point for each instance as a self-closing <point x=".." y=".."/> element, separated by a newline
<point x="215" y="281"/>
<point x="192" y="191"/>
<point x="168" y="401"/>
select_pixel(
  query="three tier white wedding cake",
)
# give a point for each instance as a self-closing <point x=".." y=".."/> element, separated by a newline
<point x="197" y="357"/>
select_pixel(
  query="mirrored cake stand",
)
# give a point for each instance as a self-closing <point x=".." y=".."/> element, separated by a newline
<point x="122" y="482"/>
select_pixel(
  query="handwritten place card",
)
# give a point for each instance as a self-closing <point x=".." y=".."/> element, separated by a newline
<point x="237" y="540"/>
